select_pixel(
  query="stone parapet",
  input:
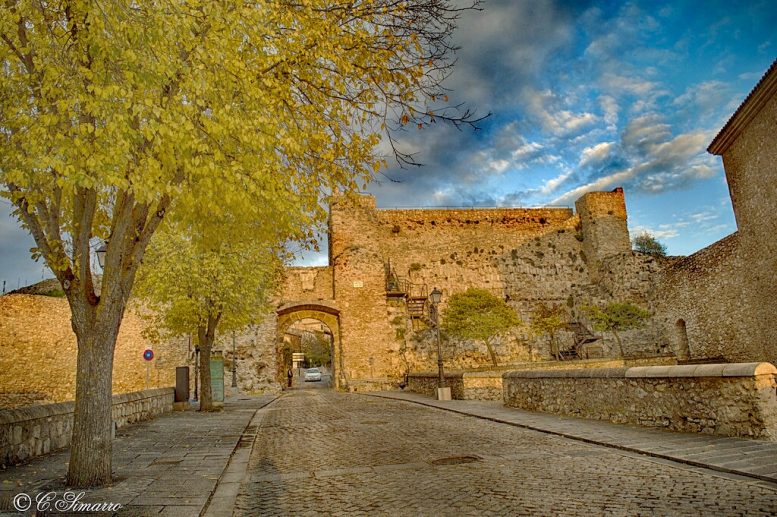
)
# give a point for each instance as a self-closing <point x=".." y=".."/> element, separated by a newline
<point x="425" y="383"/>
<point x="736" y="399"/>
<point x="487" y="384"/>
<point x="37" y="430"/>
<point x="482" y="386"/>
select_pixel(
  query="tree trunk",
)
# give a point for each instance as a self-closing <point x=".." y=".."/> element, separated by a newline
<point x="492" y="353"/>
<point x="91" y="444"/>
<point x="206" y="335"/>
<point x="554" y="350"/>
<point x="620" y="345"/>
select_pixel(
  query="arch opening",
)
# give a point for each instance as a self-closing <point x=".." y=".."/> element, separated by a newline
<point x="308" y="336"/>
<point x="681" y="341"/>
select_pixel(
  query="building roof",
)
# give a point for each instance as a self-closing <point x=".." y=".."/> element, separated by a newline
<point x="753" y="103"/>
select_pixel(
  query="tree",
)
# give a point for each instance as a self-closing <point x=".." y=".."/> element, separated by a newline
<point x="548" y="320"/>
<point x="646" y="243"/>
<point x="111" y="111"/>
<point x="198" y="286"/>
<point x="616" y="317"/>
<point x="477" y="314"/>
<point x="317" y="347"/>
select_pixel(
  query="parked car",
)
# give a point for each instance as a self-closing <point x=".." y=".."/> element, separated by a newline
<point x="312" y="374"/>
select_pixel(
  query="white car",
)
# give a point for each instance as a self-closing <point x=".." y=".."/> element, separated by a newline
<point x="312" y="374"/>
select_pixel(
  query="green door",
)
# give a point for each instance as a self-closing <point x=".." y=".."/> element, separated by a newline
<point x="217" y="378"/>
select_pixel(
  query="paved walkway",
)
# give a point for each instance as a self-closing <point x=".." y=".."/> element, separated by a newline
<point x="319" y="452"/>
<point x="752" y="458"/>
<point x="167" y="466"/>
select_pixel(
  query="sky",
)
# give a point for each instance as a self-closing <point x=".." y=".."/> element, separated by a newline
<point x="583" y="96"/>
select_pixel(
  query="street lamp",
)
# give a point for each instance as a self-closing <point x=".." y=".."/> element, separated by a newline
<point x="100" y="252"/>
<point x="234" y="362"/>
<point x="196" y="370"/>
<point x="443" y="392"/>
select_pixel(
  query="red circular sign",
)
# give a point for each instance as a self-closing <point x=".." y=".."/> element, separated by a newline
<point x="148" y="354"/>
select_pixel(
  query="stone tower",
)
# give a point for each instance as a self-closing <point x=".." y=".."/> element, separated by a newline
<point x="603" y="226"/>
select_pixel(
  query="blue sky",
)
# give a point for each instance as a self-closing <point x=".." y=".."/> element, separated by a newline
<point x="592" y="96"/>
<point x="584" y="96"/>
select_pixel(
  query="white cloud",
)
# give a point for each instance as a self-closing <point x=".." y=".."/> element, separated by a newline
<point x="610" y="109"/>
<point x="542" y="105"/>
<point x="663" y="231"/>
<point x="699" y="217"/>
<point x="596" y="154"/>
<point x="622" y="84"/>
<point x="527" y="151"/>
<point x="552" y="184"/>
<point x="603" y="183"/>
<point x="498" y="166"/>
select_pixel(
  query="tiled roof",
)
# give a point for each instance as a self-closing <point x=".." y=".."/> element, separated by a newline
<point x="753" y="103"/>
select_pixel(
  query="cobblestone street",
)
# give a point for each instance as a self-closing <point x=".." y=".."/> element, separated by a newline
<point x="326" y="452"/>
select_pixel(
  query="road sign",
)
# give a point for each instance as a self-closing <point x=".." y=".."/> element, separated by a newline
<point x="148" y="354"/>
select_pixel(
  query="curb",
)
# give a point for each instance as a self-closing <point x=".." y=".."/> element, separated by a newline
<point x="206" y="507"/>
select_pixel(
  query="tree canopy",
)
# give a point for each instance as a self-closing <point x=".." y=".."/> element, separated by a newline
<point x="548" y="319"/>
<point x="647" y="243"/>
<point x="616" y="317"/>
<point x="479" y="315"/>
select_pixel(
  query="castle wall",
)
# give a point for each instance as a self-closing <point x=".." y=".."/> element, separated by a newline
<point x="751" y="171"/>
<point x="307" y="283"/>
<point x="522" y="255"/>
<point x="704" y="305"/>
<point x="603" y="226"/>
<point x="38" y="351"/>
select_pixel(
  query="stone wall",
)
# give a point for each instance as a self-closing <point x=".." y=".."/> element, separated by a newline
<point x="257" y="368"/>
<point x="307" y="283"/>
<point x="522" y="255"/>
<point x="482" y="386"/>
<point x="32" y="431"/>
<point x="38" y="350"/>
<point x="603" y="226"/>
<point x="726" y="399"/>
<point x="426" y="384"/>
<point x="487" y="384"/>
<point x="705" y="306"/>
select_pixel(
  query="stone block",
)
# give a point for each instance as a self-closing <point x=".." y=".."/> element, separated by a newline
<point x="740" y="369"/>
<point x="709" y="370"/>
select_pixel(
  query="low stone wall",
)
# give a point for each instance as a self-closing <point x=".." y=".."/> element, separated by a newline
<point x="487" y="384"/>
<point x="735" y="399"/>
<point x="426" y="384"/>
<point x="482" y="386"/>
<point x="36" y="430"/>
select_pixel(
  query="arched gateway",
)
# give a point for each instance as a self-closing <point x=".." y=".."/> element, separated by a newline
<point x="323" y="311"/>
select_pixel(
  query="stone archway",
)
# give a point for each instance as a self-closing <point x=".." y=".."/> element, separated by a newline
<point x="325" y="312"/>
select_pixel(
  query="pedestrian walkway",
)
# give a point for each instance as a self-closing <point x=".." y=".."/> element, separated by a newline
<point x="167" y="466"/>
<point x="753" y="458"/>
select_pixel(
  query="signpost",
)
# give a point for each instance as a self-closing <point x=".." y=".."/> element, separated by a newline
<point x="148" y="356"/>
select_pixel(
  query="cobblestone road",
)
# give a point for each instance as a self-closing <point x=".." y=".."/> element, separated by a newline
<point x="327" y="452"/>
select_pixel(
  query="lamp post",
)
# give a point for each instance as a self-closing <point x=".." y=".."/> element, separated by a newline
<point x="234" y="362"/>
<point x="443" y="392"/>
<point x="100" y="252"/>
<point x="196" y="370"/>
